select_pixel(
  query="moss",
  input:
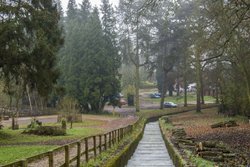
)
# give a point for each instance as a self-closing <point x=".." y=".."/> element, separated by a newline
<point x="120" y="152"/>
<point x="123" y="156"/>
<point x="199" y="162"/>
<point x="173" y="152"/>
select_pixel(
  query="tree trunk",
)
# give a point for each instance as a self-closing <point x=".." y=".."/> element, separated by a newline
<point x="178" y="85"/>
<point x="170" y="90"/>
<point x="163" y="90"/>
<point x="185" y="81"/>
<point x="198" y="84"/>
<point x="202" y="89"/>
<point x="217" y="93"/>
<point x="13" y="114"/>
<point x="28" y="93"/>
<point x="137" y="86"/>
<point x="41" y="103"/>
<point x="185" y="91"/>
<point x="34" y="97"/>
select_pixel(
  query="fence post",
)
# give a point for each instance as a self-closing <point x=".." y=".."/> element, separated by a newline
<point x="66" y="156"/>
<point x="100" y="144"/>
<point x="24" y="163"/>
<point x="94" y="140"/>
<point x="118" y="134"/>
<point x="86" y="150"/>
<point x="78" y="163"/>
<point x="105" y="142"/>
<point x="122" y="133"/>
<point x="110" y="139"/>
<point x="51" y="159"/>
<point x="113" y="137"/>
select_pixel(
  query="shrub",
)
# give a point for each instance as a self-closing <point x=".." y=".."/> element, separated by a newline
<point x="64" y="124"/>
<point x="46" y="131"/>
<point x="34" y="123"/>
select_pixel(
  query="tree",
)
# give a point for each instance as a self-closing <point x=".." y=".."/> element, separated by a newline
<point x="134" y="38"/>
<point x="90" y="60"/>
<point x="71" y="9"/>
<point x="30" y="38"/>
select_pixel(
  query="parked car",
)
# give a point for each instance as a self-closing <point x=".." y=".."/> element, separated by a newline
<point x="155" y="95"/>
<point x="170" y="105"/>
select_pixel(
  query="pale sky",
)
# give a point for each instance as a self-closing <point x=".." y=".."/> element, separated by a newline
<point x="93" y="3"/>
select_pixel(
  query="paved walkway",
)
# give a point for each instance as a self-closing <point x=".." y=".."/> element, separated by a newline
<point x="151" y="151"/>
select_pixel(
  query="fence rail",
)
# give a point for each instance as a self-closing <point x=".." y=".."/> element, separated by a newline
<point x="77" y="152"/>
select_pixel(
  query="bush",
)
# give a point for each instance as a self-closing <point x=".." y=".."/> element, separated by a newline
<point x="64" y="124"/>
<point x="34" y="123"/>
<point x="46" y="131"/>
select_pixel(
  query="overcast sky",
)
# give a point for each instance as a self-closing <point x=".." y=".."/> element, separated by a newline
<point x="93" y="3"/>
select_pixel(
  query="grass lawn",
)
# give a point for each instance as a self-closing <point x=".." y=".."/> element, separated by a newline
<point x="15" y="146"/>
<point x="10" y="154"/>
<point x="10" y="137"/>
<point x="180" y="99"/>
<point x="85" y="123"/>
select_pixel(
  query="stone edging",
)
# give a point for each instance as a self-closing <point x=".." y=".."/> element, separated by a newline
<point x="122" y="158"/>
<point x="173" y="152"/>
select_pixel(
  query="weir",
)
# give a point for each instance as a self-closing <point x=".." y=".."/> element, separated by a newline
<point x="151" y="150"/>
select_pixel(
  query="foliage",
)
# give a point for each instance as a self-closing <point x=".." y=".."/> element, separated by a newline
<point x="34" y="124"/>
<point x="68" y="108"/>
<point x="89" y="59"/>
<point x="64" y="124"/>
<point x="200" y="162"/>
<point x="35" y="39"/>
<point x="129" y="90"/>
<point x="46" y="131"/>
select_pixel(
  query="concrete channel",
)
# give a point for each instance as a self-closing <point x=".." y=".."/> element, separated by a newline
<point x="151" y="150"/>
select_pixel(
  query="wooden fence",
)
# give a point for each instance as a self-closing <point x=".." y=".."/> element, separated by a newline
<point x="77" y="152"/>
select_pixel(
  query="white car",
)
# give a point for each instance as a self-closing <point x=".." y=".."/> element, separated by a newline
<point x="170" y="105"/>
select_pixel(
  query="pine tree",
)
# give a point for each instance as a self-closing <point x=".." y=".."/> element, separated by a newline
<point x="71" y="9"/>
<point x="85" y="9"/>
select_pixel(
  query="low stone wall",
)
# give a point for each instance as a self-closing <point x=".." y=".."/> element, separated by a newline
<point x="122" y="158"/>
<point x="173" y="152"/>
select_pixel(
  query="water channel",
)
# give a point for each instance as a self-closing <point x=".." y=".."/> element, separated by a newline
<point x="151" y="150"/>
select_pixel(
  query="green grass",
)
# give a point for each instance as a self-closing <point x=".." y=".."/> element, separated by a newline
<point x="85" y="123"/>
<point x="10" y="137"/>
<point x="10" y="154"/>
<point x="199" y="162"/>
<point x="180" y="99"/>
<point x="13" y="138"/>
<point x="166" y="125"/>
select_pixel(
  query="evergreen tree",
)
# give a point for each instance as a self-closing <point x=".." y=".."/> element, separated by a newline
<point x="89" y="61"/>
<point x="85" y="10"/>
<point x="48" y="41"/>
<point x="30" y="39"/>
<point x="71" y="9"/>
